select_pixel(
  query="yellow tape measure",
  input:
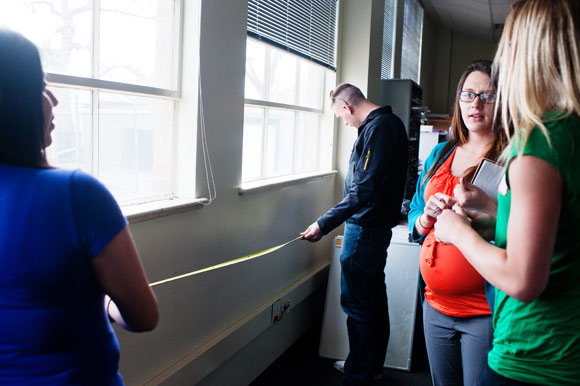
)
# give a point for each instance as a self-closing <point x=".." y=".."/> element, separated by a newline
<point x="231" y="262"/>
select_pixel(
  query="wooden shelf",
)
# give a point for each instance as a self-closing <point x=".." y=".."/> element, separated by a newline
<point x="441" y="125"/>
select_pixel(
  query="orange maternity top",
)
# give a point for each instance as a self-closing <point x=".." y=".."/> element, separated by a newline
<point x="453" y="287"/>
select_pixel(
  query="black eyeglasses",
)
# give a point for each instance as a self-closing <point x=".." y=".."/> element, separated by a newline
<point x="337" y="99"/>
<point x="469" y="96"/>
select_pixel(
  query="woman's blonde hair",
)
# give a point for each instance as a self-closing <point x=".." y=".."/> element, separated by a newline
<point x="537" y="65"/>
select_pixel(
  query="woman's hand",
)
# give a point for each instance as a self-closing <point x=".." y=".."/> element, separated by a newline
<point x="436" y="204"/>
<point x="470" y="196"/>
<point x="451" y="224"/>
<point x="120" y="274"/>
<point x="433" y="208"/>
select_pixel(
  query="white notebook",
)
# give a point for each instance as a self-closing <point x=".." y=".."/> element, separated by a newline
<point x="488" y="177"/>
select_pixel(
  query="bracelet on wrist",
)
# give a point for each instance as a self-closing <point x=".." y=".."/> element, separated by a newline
<point x="423" y="226"/>
<point x="107" y="310"/>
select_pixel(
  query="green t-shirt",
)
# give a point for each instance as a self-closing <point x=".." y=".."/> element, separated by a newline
<point x="539" y="342"/>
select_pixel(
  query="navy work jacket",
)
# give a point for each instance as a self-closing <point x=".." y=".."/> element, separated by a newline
<point x="375" y="182"/>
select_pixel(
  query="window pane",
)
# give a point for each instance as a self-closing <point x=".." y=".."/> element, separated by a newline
<point x="253" y="138"/>
<point x="280" y="143"/>
<point x="388" y="38"/>
<point x="311" y="85"/>
<point x="255" y="70"/>
<point x="411" y="51"/>
<point x="307" y="142"/>
<point x="136" y="42"/>
<point x="135" y="142"/>
<point x="71" y="139"/>
<point x="284" y="140"/>
<point x="62" y="30"/>
<point x="282" y="77"/>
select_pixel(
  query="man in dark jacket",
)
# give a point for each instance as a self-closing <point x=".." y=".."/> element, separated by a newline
<point x="373" y="192"/>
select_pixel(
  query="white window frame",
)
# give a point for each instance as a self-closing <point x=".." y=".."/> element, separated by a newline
<point x="326" y="132"/>
<point x="185" y="96"/>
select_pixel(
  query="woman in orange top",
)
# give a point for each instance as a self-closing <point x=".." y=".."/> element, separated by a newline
<point x="456" y="314"/>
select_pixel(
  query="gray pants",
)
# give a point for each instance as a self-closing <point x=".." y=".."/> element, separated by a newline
<point x="457" y="347"/>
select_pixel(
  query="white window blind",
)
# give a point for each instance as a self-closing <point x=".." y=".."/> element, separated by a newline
<point x="412" y="31"/>
<point x="306" y="28"/>
<point x="389" y="20"/>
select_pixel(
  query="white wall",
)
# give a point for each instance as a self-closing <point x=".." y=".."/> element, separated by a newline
<point x="201" y="313"/>
<point x="445" y="55"/>
<point x="354" y="61"/>
<point x="428" y="55"/>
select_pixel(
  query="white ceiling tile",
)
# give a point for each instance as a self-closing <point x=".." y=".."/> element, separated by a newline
<point x="499" y="10"/>
<point x="472" y="17"/>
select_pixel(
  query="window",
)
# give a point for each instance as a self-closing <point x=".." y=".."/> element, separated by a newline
<point x="388" y="50"/>
<point x="412" y="32"/>
<point x="290" y="59"/>
<point x="286" y="129"/>
<point x="113" y="65"/>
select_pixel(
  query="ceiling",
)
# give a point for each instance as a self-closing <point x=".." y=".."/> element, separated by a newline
<point x="482" y="19"/>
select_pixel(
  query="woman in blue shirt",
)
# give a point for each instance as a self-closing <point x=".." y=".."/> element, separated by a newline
<point x="64" y="244"/>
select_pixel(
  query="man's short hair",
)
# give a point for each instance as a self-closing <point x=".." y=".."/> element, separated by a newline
<point x="347" y="93"/>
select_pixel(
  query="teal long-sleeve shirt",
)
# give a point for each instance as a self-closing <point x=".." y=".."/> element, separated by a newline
<point x="418" y="203"/>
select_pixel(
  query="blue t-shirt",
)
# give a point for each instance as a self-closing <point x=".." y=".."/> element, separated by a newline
<point x="53" y="327"/>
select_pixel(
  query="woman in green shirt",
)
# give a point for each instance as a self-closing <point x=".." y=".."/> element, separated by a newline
<point x="535" y="263"/>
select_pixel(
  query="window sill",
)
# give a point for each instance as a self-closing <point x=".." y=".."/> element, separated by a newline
<point x="280" y="182"/>
<point x="151" y="210"/>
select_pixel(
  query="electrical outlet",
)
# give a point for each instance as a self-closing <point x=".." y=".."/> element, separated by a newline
<point x="280" y="307"/>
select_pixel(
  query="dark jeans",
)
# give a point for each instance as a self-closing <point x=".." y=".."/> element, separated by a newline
<point x="491" y="378"/>
<point x="364" y="300"/>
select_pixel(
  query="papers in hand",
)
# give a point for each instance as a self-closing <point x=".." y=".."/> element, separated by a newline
<point x="487" y="177"/>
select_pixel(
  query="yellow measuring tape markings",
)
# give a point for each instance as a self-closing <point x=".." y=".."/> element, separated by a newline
<point x="225" y="264"/>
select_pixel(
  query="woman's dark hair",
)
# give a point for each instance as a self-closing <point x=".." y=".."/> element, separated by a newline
<point x="22" y="138"/>
<point x="460" y="133"/>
